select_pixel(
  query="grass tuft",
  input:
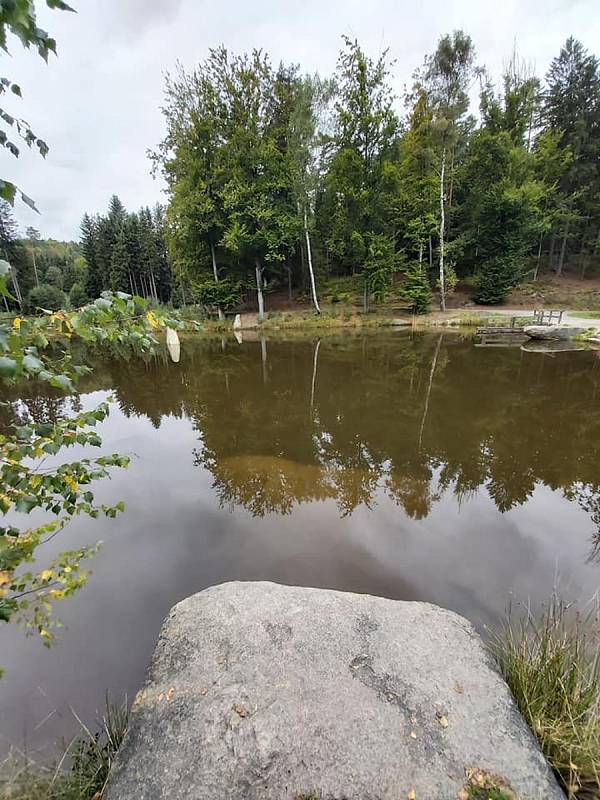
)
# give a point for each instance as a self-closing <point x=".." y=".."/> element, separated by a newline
<point x="82" y="771"/>
<point x="552" y="667"/>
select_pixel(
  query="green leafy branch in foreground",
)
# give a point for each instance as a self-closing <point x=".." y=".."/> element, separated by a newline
<point x="38" y="348"/>
<point x="19" y="18"/>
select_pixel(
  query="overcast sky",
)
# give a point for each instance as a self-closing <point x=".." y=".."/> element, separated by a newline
<point x="98" y="104"/>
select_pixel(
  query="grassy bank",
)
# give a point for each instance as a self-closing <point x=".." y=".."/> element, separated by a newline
<point x="552" y="666"/>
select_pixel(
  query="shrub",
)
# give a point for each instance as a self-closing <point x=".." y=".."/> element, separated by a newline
<point x="46" y="296"/>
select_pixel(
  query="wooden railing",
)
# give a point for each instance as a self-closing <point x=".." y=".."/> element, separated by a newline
<point x="543" y="316"/>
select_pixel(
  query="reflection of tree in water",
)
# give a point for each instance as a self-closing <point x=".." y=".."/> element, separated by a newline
<point x="37" y="403"/>
<point x="409" y="416"/>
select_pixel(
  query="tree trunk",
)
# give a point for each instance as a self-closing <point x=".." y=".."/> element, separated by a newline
<point x="366" y="297"/>
<point x="16" y="287"/>
<point x="442" y="225"/>
<point x="430" y="253"/>
<point x="213" y="256"/>
<point x="313" y="287"/>
<point x="537" y="263"/>
<point x="551" y="251"/>
<point x="259" y="290"/>
<point x="153" y="286"/>
<point x="288" y="268"/>
<point x="563" y="247"/>
<point x="35" y="272"/>
<point x="420" y="255"/>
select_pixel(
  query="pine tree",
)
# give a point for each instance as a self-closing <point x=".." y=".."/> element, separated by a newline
<point x="572" y="107"/>
<point x="89" y="247"/>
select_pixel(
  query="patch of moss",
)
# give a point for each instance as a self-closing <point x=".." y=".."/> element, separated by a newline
<point x="483" y="785"/>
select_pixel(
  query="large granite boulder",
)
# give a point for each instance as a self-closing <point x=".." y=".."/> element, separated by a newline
<point x="264" y="691"/>
<point x="551" y="331"/>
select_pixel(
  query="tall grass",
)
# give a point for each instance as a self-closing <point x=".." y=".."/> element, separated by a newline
<point x="552" y="666"/>
<point x="82" y="771"/>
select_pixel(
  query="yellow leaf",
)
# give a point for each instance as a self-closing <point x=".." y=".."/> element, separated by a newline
<point x="5" y="577"/>
<point x="152" y="319"/>
<point x="46" y="575"/>
<point x="67" y="570"/>
<point x="71" y="482"/>
<point x="57" y="594"/>
<point x="17" y="322"/>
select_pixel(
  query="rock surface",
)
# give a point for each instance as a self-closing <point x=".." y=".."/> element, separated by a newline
<point x="264" y="691"/>
<point x="551" y="331"/>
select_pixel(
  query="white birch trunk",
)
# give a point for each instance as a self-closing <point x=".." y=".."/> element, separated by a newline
<point x="310" y="264"/>
<point x="213" y="256"/>
<point x="537" y="263"/>
<point x="35" y="272"/>
<point x="259" y="290"/>
<point x="442" y="226"/>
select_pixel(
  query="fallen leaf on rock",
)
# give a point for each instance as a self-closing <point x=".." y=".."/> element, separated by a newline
<point x="458" y="687"/>
<point x="204" y="691"/>
<point x="413" y="735"/>
<point x="240" y="710"/>
<point x="170" y="693"/>
<point x="463" y="795"/>
<point x="442" y="719"/>
<point x="220" y="659"/>
<point x="412" y="795"/>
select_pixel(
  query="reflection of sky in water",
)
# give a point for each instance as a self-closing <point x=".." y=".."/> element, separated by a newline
<point x="176" y="538"/>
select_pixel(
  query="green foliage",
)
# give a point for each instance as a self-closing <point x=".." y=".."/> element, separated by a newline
<point x="18" y="17"/>
<point x="46" y="296"/>
<point x="125" y="252"/>
<point x="217" y="294"/>
<point x="416" y="289"/>
<point x="552" y="668"/>
<point x="262" y="164"/>
<point x="54" y="277"/>
<point x="38" y="348"/>
<point x="379" y="265"/>
<point x="78" y="295"/>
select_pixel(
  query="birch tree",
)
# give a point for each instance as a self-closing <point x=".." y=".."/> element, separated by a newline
<point x="446" y="78"/>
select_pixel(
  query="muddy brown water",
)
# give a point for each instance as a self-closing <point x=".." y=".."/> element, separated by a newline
<point x="416" y="466"/>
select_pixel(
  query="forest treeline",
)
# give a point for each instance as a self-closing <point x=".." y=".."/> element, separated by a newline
<point x="274" y="175"/>
<point x="276" y="178"/>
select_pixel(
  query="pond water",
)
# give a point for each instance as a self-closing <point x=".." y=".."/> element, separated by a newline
<point x="416" y="466"/>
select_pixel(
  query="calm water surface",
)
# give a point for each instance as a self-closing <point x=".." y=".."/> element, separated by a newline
<point x="414" y="466"/>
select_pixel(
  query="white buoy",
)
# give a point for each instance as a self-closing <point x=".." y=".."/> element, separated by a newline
<point x="173" y="345"/>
